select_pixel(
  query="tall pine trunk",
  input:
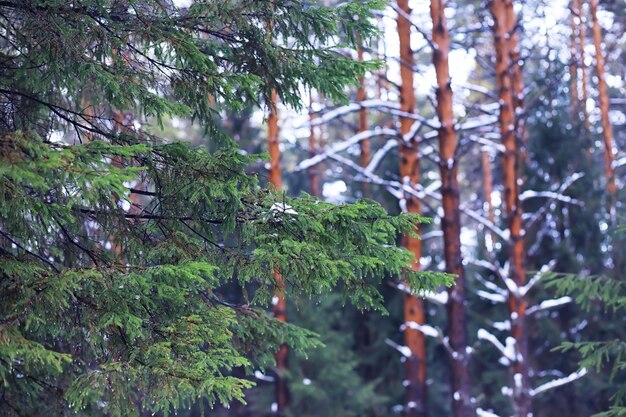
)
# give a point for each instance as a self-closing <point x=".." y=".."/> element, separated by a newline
<point x="451" y="221"/>
<point x="279" y="305"/>
<point x="488" y="190"/>
<point x="607" y="130"/>
<point x="501" y="11"/>
<point x="414" y="311"/>
<point x="361" y="96"/>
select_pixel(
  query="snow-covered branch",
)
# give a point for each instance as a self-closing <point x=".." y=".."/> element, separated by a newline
<point x="508" y="350"/>
<point x="436" y="297"/>
<point x="559" y="191"/>
<point x="342" y="146"/>
<point x="485" y="413"/>
<point x="528" y="194"/>
<point x="424" y="328"/>
<point x="404" y="350"/>
<point x="558" y="382"/>
<point x="540" y="274"/>
<point x="546" y="304"/>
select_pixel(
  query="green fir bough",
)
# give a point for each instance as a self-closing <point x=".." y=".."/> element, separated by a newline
<point x="116" y="244"/>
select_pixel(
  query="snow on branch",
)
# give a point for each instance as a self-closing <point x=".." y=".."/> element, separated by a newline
<point x="491" y="296"/>
<point x="528" y="194"/>
<point x="559" y="191"/>
<point x="381" y="105"/>
<point x="342" y="146"/>
<point x="436" y="297"/>
<point x="558" y="382"/>
<point x="424" y="328"/>
<point x="380" y="154"/>
<point x="262" y="377"/>
<point x="546" y="304"/>
<point x="619" y="162"/>
<point x="486" y="143"/>
<point x="508" y="351"/>
<point x="391" y="144"/>
<point x="404" y="350"/>
<point x="485" y="413"/>
<point x="540" y="274"/>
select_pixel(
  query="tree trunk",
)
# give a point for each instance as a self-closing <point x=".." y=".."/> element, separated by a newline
<point x="488" y="187"/>
<point x="451" y="221"/>
<point x="415" y="366"/>
<point x="607" y="130"/>
<point x="279" y="305"/>
<point x="501" y="11"/>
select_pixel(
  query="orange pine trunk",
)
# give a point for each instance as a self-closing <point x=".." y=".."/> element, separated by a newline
<point x="451" y="221"/>
<point x="415" y="366"/>
<point x="488" y="187"/>
<point x="279" y="307"/>
<point x="607" y="130"/>
<point x="361" y="95"/>
<point x="502" y="11"/>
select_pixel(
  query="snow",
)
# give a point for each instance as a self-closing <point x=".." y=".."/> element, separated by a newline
<point x="344" y="145"/>
<point x="404" y="350"/>
<point x="411" y="404"/>
<point x="262" y="377"/>
<point x="282" y="208"/>
<point x="496" y="298"/>
<point x="485" y="413"/>
<point x="274" y="407"/>
<point x="275" y="300"/>
<point x="502" y="325"/>
<point x="507" y="350"/>
<point x="306" y="381"/>
<point x="424" y="328"/>
<point x="440" y="297"/>
<point x="544" y="305"/>
<point x="456" y="396"/>
<point x="517" y="379"/>
<point x="558" y="382"/>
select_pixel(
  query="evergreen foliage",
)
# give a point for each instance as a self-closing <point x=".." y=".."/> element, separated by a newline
<point x="605" y="357"/>
<point x="116" y="243"/>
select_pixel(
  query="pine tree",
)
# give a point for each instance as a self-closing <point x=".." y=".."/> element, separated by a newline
<point x="112" y="294"/>
<point x="414" y="309"/>
<point x="451" y="221"/>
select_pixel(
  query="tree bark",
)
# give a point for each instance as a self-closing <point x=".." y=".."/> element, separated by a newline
<point x="451" y="221"/>
<point x="502" y="10"/>
<point x="488" y="187"/>
<point x="607" y="129"/>
<point x="415" y="366"/>
<point x="279" y="305"/>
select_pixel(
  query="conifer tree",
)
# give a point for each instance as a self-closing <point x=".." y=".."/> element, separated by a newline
<point x="112" y="294"/>
<point x="451" y="220"/>
<point x="414" y="310"/>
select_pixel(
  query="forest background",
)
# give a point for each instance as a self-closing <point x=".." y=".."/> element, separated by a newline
<point x="501" y="121"/>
